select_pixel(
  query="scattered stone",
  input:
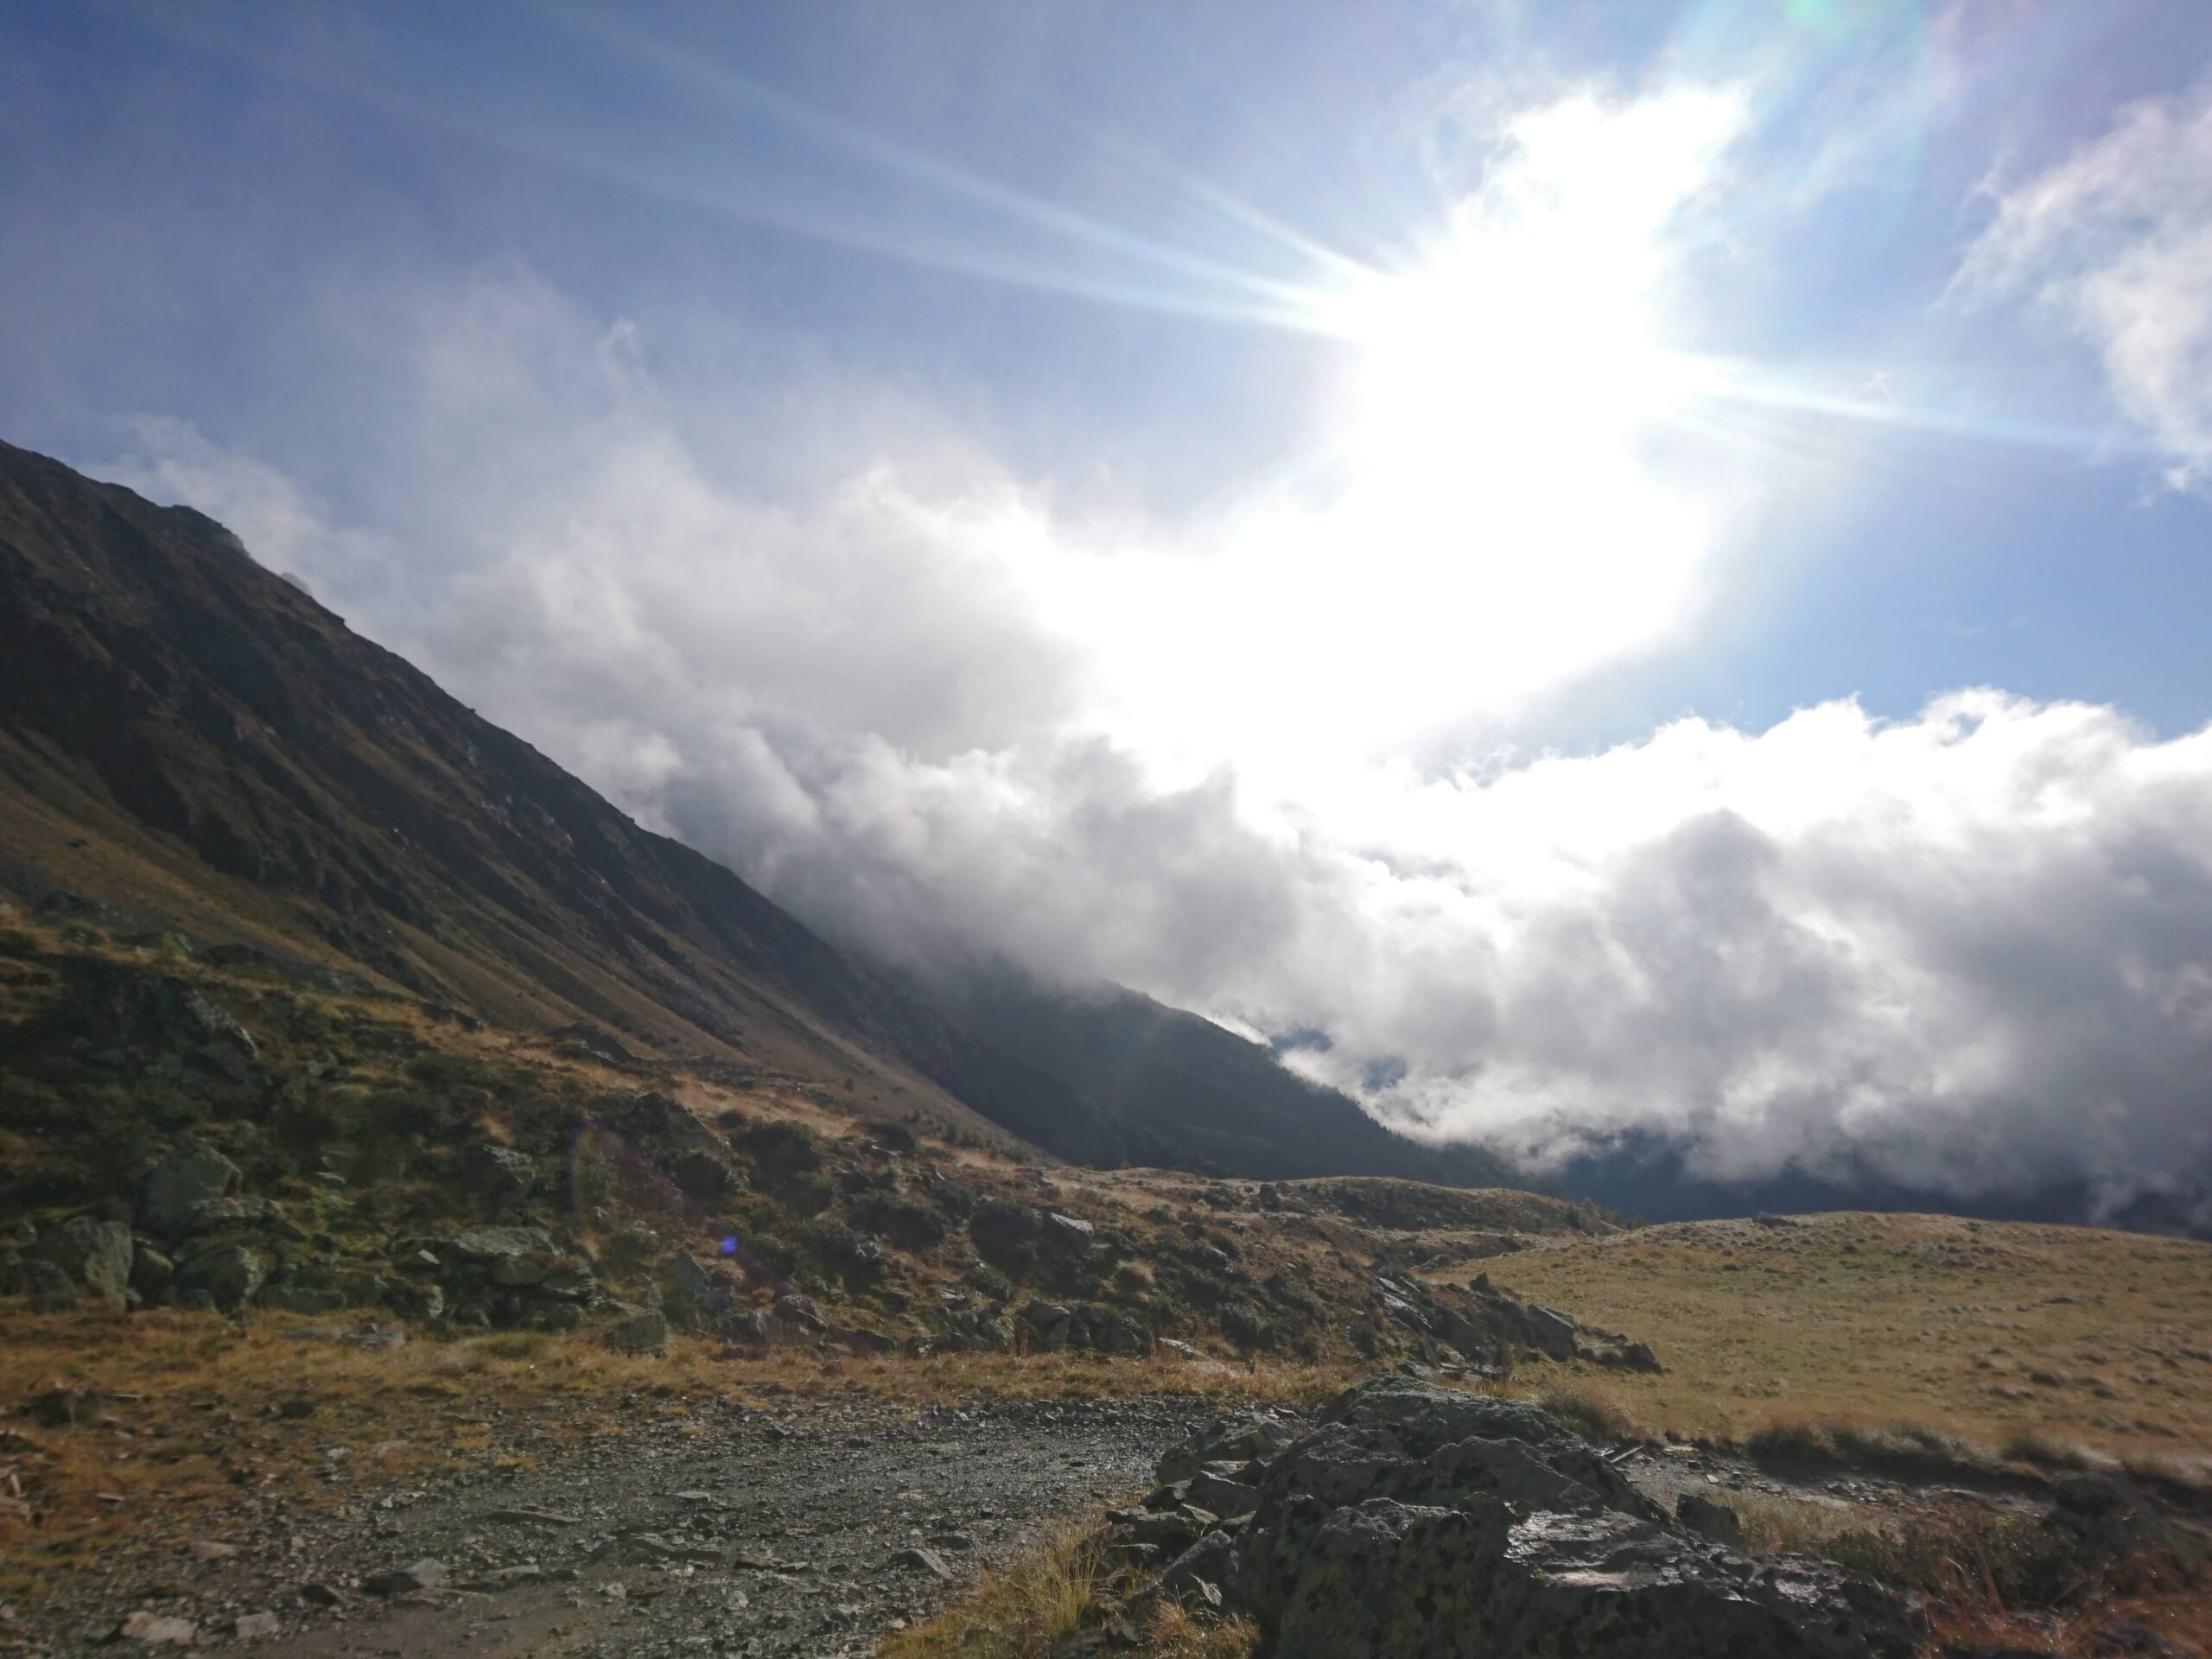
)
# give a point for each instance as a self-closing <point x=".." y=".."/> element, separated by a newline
<point x="923" y="1560"/>
<point x="247" y="1627"/>
<point x="159" y="1630"/>
<point x="523" y="1517"/>
<point x="206" y="1549"/>
<point x="422" y="1575"/>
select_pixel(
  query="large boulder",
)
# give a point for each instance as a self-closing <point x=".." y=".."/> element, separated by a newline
<point x="170" y="1193"/>
<point x="1413" y="1521"/>
<point x="228" y="1275"/>
<point x="504" y="1176"/>
<point x="694" y="1297"/>
<point x="94" y="1254"/>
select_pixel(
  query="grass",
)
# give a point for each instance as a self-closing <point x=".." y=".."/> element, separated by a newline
<point x="2060" y="1343"/>
<point x="1019" y="1611"/>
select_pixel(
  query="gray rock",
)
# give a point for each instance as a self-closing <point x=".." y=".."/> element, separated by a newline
<point x="504" y="1176"/>
<point x="159" y="1630"/>
<point x="192" y="1174"/>
<point x="226" y="1274"/>
<point x="247" y="1627"/>
<point x="489" y="1244"/>
<point x="1550" y="1333"/>
<point x="1224" y="1439"/>
<point x="640" y="1333"/>
<point x="1709" y="1519"/>
<point x="1416" y="1521"/>
<point x="923" y="1560"/>
<point x="692" y="1297"/>
<point x="94" y="1254"/>
<point x="1223" y="1497"/>
<point x="405" y="1580"/>
<point x="263" y="1217"/>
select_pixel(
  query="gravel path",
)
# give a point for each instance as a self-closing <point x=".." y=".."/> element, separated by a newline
<point x="734" y="1532"/>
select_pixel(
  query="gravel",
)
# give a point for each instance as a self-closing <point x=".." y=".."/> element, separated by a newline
<point x="810" y="1528"/>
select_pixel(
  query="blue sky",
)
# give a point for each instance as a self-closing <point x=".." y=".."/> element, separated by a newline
<point x="1331" y="515"/>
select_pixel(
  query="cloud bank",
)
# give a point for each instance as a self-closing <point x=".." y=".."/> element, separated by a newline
<point x="920" y="701"/>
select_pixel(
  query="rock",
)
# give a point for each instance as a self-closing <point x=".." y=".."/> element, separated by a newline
<point x="243" y="1217"/>
<point x="159" y="1630"/>
<point x="801" y="1312"/>
<point x="1710" y="1519"/>
<point x="1415" y="1521"/>
<point x="228" y="1275"/>
<point x="1550" y="1333"/>
<point x="487" y="1245"/>
<point x="504" y="1176"/>
<point x="641" y="1333"/>
<point x="1068" y="1232"/>
<point x="405" y="1580"/>
<point x="94" y="1254"/>
<point x="247" y="1627"/>
<point x="47" y="1286"/>
<point x="1225" y="1498"/>
<point x="696" y="1297"/>
<point x="151" y="1273"/>
<point x="192" y="1174"/>
<point x="1223" y="1440"/>
<point x="923" y="1560"/>
<point x="205" y="1549"/>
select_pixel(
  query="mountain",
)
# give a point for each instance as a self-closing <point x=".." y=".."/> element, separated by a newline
<point x="1190" y="1093"/>
<point x="189" y="736"/>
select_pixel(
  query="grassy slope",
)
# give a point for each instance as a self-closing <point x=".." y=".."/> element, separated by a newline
<point x="1986" y="1330"/>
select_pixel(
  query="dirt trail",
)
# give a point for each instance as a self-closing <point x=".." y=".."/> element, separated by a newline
<point x="735" y="1532"/>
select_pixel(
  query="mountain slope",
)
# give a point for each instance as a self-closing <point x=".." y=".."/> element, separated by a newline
<point x="1193" y="1095"/>
<point x="190" y="736"/>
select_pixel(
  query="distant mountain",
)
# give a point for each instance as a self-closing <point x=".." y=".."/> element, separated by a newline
<point x="1186" y="1094"/>
<point x="1649" y="1175"/>
<point x="191" y="737"/>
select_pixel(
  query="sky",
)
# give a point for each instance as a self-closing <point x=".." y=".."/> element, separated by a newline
<point x="1588" y="570"/>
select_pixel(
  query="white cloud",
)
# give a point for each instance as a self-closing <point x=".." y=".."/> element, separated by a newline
<point x="921" y="705"/>
<point x="2115" y="242"/>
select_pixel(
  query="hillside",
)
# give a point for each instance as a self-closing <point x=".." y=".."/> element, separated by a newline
<point x="191" y="738"/>
<point x="1191" y="1095"/>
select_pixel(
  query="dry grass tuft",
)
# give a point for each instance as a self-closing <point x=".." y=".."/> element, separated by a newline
<point x="1019" y="1611"/>
<point x="1016" y="1611"/>
<point x="1591" y="1411"/>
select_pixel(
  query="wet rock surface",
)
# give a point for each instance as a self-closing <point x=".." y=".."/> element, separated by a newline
<point x="713" y="1529"/>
